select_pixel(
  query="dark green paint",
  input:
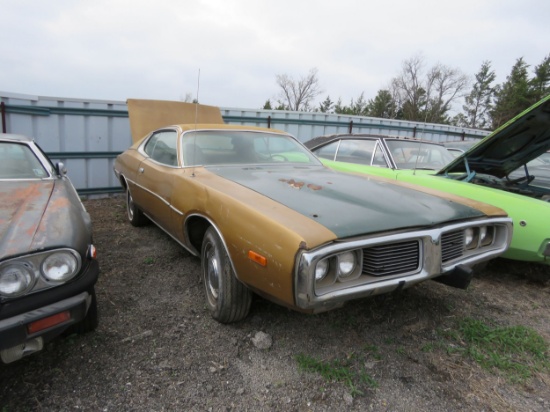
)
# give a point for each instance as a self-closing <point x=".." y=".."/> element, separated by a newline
<point x="345" y="204"/>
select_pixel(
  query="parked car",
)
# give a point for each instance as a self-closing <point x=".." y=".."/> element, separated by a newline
<point x="381" y="151"/>
<point x="48" y="266"/>
<point x="266" y="216"/>
<point x="486" y="172"/>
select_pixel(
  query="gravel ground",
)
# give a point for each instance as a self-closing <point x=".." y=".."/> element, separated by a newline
<point x="157" y="348"/>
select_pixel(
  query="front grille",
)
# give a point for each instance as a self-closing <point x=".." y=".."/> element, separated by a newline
<point x="392" y="259"/>
<point x="452" y="245"/>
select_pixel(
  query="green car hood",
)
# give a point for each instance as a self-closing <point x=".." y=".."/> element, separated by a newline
<point x="519" y="141"/>
<point x="371" y="205"/>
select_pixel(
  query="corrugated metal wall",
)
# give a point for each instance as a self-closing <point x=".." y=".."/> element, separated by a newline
<point x="87" y="135"/>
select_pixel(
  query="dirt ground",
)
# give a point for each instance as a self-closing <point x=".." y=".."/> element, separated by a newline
<point x="157" y="349"/>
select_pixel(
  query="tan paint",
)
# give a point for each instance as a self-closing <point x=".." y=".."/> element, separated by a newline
<point x="148" y="115"/>
<point x="251" y="223"/>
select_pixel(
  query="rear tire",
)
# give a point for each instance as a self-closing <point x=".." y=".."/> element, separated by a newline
<point x="227" y="299"/>
<point x="135" y="216"/>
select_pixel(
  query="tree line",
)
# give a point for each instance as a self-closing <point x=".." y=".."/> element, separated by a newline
<point x="417" y="94"/>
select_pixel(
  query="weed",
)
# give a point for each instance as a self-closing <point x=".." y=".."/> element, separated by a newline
<point x="428" y="347"/>
<point x="517" y="351"/>
<point x="339" y="370"/>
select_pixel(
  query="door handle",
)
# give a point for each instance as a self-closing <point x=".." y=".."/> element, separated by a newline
<point x="141" y="170"/>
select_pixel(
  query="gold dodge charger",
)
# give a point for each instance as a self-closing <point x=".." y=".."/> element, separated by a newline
<point x="265" y="216"/>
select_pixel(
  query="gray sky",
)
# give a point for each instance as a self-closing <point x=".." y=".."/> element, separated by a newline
<point x="119" y="49"/>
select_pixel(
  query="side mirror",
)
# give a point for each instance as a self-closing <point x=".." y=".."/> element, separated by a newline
<point x="60" y="169"/>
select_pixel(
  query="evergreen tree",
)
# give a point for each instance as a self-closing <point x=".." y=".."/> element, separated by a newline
<point x="327" y="106"/>
<point x="383" y="105"/>
<point x="513" y="96"/>
<point x="267" y="105"/>
<point x="540" y="84"/>
<point x="478" y="103"/>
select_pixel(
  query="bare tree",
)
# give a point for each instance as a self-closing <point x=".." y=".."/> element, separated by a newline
<point x="427" y="96"/>
<point x="407" y="88"/>
<point x="298" y="95"/>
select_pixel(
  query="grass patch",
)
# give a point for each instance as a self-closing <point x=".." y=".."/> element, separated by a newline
<point x="339" y="370"/>
<point x="516" y="351"/>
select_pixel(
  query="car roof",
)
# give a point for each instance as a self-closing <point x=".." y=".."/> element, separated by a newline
<point x="15" y="137"/>
<point x="322" y="140"/>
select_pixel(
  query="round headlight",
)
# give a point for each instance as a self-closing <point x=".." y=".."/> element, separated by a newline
<point x="469" y="237"/>
<point x="60" y="266"/>
<point x="486" y="235"/>
<point x="321" y="270"/>
<point x="346" y="264"/>
<point x="15" y="280"/>
<point x="482" y="233"/>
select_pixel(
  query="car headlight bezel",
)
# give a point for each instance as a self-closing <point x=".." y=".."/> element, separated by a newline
<point x="341" y="267"/>
<point x="40" y="271"/>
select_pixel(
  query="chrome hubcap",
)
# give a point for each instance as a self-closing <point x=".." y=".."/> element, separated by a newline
<point x="130" y="204"/>
<point x="212" y="273"/>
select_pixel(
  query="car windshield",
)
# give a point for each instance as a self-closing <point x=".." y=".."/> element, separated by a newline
<point x="17" y="161"/>
<point x="410" y="154"/>
<point x="219" y="147"/>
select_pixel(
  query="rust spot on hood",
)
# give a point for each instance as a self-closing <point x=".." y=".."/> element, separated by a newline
<point x="298" y="185"/>
<point x="293" y="183"/>
<point x="314" y="187"/>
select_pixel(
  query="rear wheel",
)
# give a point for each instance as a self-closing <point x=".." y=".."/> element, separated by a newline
<point x="227" y="299"/>
<point x="135" y="216"/>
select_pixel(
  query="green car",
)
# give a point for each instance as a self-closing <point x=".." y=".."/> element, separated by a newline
<point x="481" y="173"/>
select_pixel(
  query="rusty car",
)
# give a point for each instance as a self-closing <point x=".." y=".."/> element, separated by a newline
<point x="266" y="217"/>
<point x="48" y="266"/>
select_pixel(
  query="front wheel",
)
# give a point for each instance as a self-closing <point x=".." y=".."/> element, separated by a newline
<point x="135" y="216"/>
<point x="228" y="300"/>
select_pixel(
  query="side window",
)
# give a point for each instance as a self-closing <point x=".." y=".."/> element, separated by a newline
<point x="356" y="151"/>
<point x="328" y="151"/>
<point x="162" y="147"/>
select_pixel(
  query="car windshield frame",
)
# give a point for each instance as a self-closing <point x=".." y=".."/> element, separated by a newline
<point x="232" y="147"/>
<point x="19" y="161"/>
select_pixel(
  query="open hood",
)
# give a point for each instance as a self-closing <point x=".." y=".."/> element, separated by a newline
<point x="148" y="115"/>
<point x="517" y="142"/>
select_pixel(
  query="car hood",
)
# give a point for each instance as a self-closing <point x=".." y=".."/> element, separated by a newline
<point x="38" y="215"/>
<point x="348" y="205"/>
<point x="519" y="141"/>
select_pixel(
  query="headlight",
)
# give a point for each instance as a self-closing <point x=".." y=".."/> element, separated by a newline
<point x="346" y="264"/>
<point x="15" y="279"/>
<point x="321" y="270"/>
<point x="486" y="235"/>
<point x="60" y="266"/>
<point x="469" y="238"/>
